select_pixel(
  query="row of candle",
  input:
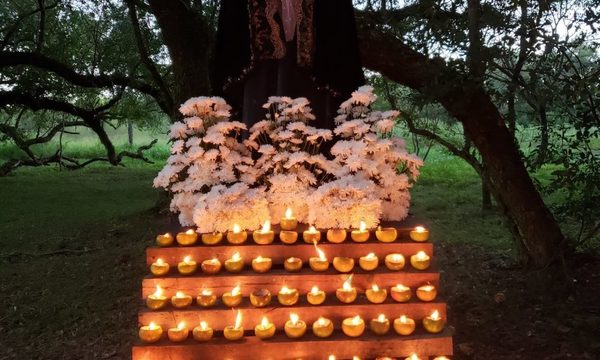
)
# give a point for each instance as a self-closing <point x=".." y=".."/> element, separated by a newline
<point x="295" y="328"/>
<point x="235" y="264"/>
<point x="262" y="297"/>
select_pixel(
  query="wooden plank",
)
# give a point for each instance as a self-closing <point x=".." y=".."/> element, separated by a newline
<point x="279" y="252"/>
<point x="220" y="316"/>
<point x="303" y="281"/>
<point x="308" y="347"/>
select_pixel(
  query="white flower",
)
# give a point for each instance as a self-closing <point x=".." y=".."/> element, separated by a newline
<point x="178" y="130"/>
<point x="177" y="147"/>
<point x="195" y="123"/>
<point x="385" y="125"/>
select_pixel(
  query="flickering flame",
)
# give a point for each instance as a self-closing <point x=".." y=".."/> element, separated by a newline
<point x="314" y="290"/>
<point x="419" y="229"/>
<point x="166" y="234"/>
<point x="236" y="290"/>
<point x="400" y="287"/>
<point x="331" y="357"/>
<point x="187" y="259"/>
<point x="381" y="318"/>
<point x="179" y="294"/>
<point x="355" y="357"/>
<point x="214" y="261"/>
<point x="206" y="292"/>
<point x="414" y="357"/>
<point x="375" y="287"/>
<point x="403" y="319"/>
<point x="356" y="320"/>
<point x="347" y="286"/>
<point x="264" y="322"/>
<point x="160" y="262"/>
<point x="236" y="229"/>
<point x="422" y="256"/>
<point x="320" y="252"/>
<point x="362" y="226"/>
<point x="285" y="290"/>
<point x="427" y="288"/>
<point x="181" y="325"/>
<point x="266" y="227"/>
<point x="152" y="326"/>
<point x="190" y="232"/>
<point x="260" y="259"/>
<point x="236" y="256"/>
<point x="294" y="318"/>
<point x="312" y="230"/>
<point x="322" y="321"/>
<point x="159" y="291"/>
<point x="396" y="257"/>
<point x="435" y="315"/>
<point x="238" y="320"/>
<point x="371" y="256"/>
<point x="203" y="325"/>
<point x="288" y="213"/>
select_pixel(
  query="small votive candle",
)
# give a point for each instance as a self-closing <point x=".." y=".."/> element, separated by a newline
<point x="232" y="298"/>
<point x="413" y="357"/>
<point x="265" y="235"/>
<point x="322" y="327"/>
<point x="235" y="264"/>
<point x="426" y="292"/>
<point x="347" y="293"/>
<point x="150" y="333"/>
<point x="157" y="300"/>
<point x="419" y="234"/>
<point x="404" y="325"/>
<point x="187" y="238"/>
<point x="206" y="298"/>
<point x="318" y="263"/>
<point x="368" y="262"/>
<point x="292" y="264"/>
<point x="336" y="235"/>
<point x="212" y="238"/>
<point x="288" y="237"/>
<point x="181" y="300"/>
<point x="315" y="296"/>
<point x="187" y="266"/>
<point x="202" y="332"/>
<point x="179" y="333"/>
<point x="234" y="332"/>
<point x="311" y="235"/>
<point x="260" y="297"/>
<point x="394" y="261"/>
<point x="343" y="264"/>
<point x="360" y="235"/>
<point x="420" y="260"/>
<point x="353" y="327"/>
<point x="265" y="329"/>
<point x="287" y="296"/>
<point x="401" y="293"/>
<point x="434" y="323"/>
<point x="165" y="239"/>
<point x="376" y="295"/>
<point x="159" y="267"/>
<point x="288" y="222"/>
<point x="294" y="327"/>
<point x="441" y="358"/>
<point x="261" y="264"/>
<point x="386" y="235"/>
<point x="211" y="266"/>
<point x="236" y="236"/>
<point x="380" y="325"/>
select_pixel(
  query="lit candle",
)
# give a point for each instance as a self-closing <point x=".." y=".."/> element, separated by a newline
<point x="235" y="264"/>
<point x="157" y="300"/>
<point x="236" y="236"/>
<point x="420" y="260"/>
<point x="413" y="357"/>
<point x="343" y="264"/>
<point x="426" y="292"/>
<point x="260" y="297"/>
<point x="202" y="332"/>
<point x="404" y="325"/>
<point x="331" y="357"/>
<point x="376" y="295"/>
<point x="433" y="323"/>
<point x="181" y="300"/>
<point x="322" y="327"/>
<point x="288" y="222"/>
<point x="401" y="293"/>
<point x="265" y="329"/>
<point x="159" y="267"/>
<point x="318" y="263"/>
<point x="211" y="266"/>
<point x="287" y="296"/>
<point x="187" y="266"/>
<point x="336" y="235"/>
<point x="165" y="239"/>
<point x="294" y="327"/>
<point x="261" y="264"/>
<point x="315" y="296"/>
<point x="441" y="358"/>
<point x="386" y="235"/>
<point x="394" y="262"/>
<point x="233" y="297"/>
<point x="419" y="234"/>
<point x="368" y="262"/>
<point x="346" y="294"/>
<point x="150" y="333"/>
<point x="380" y="325"/>
<point x="187" y="238"/>
<point x="265" y="235"/>
<point x="360" y="235"/>
<point x="212" y="238"/>
<point x="179" y="333"/>
<point x="354" y="326"/>
<point x="206" y="298"/>
<point x="234" y="332"/>
<point x="311" y="235"/>
<point x="292" y="264"/>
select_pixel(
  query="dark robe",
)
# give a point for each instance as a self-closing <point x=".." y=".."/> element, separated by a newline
<point x="253" y="60"/>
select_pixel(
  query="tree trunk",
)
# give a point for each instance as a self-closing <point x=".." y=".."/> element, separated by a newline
<point x="542" y="153"/>
<point x="130" y="132"/>
<point x="530" y="221"/>
<point x="486" y="197"/>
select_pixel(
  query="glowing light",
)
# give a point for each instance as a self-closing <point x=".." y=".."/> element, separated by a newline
<point x="285" y="290"/>
<point x="312" y="230"/>
<point x="159" y="291"/>
<point x="266" y="227"/>
<point x="264" y="322"/>
<point x="347" y="286"/>
<point x="160" y="262"/>
<point x="181" y="325"/>
<point x="401" y="287"/>
<point x="320" y="252"/>
<point x="362" y="226"/>
<point x="375" y="287"/>
<point x="187" y="259"/>
<point x="190" y="232"/>
<point x="238" y="320"/>
<point x="322" y="321"/>
<point x="236" y="229"/>
<point x="435" y="315"/>
<point x="288" y="213"/>
<point x="236" y="256"/>
<point x="206" y="292"/>
<point x="294" y="318"/>
<point x="371" y="256"/>
<point x="179" y="295"/>
<point x="236" y="290"/>
<point x="152" y="326"/>
<point x="356" y="320"/>
<point x="422" y="256"/>
<point x="381" y="318"/>
<point x="314" y="290"/>
<point x="403" y="319"/>
<point x="396" y="257"/>
<point x="420" y="229"/>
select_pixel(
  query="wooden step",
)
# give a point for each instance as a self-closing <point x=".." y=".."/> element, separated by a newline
<point x="309" y="347"/>
<point x="220" y="316"/>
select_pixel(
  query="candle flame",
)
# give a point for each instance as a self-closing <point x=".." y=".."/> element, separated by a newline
<point x="264" y="322"/>
<point x="363" y="226"/>
<point x="422" y="256"/>
<point x="203" y="325"/>
<point x="419" y="229"/>
<point x="322" y="321"/>
<point x="159" y="291"/>
<point x="375" y="287"/>
<point x="152" y="326"/>
<point x="236" y="256"/>
<point x="347" y="286"/>
<point x="314" y="290"/>
<point x="214" y="261"/>
<point x="236" y="229"/>
<point x="187" y="259"/>
<point x="236" y="290"/>
<point x="355" y="357"/>
<point x="285" y="290"/>
<point x="381" y="318"/>
<point x="403" y="319"/>
<point x="331" y="357"/>
<point x="288" y="213"/>
<point x="181" y="325"/>
<point x="294" y="318"/>
<point x="414" y="357"/>
<point x="427" y="288"/>
<point x="435" y="315"/>
<point x="266" y="227"/>
<point x="160" y="262"/>
<point x="166" y="234"/>
<point x="312" y="230"/>
<point x="396" y="257"/>
<point x="356" y="320"/>
<point x="206" y="292"/>
<point x="401" y="287"/>
<point x="190" y="232"/>
<point x="320" y="252"/>
<point x="179" y="294"/>
<point x="371" y="256"/>
<point x="238" y="320"/>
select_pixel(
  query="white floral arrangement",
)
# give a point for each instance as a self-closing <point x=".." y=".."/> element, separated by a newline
<point x="215" y="183"/>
